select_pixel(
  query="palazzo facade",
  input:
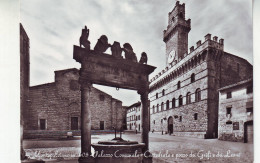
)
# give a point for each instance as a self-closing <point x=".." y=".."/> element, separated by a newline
<point x="184" y="95"/>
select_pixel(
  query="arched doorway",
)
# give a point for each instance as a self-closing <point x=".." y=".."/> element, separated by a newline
<point x="170" y="125"/>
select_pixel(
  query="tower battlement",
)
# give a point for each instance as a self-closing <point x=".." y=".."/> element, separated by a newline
<point x="200" y="47"/>
<point x="176" y="34"/>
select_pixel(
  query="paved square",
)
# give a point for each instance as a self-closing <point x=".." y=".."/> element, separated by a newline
<point x="165" y="148"/>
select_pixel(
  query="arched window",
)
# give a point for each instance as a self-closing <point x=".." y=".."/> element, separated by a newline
<point x="163" y="92"/>
<point x="178" y="85"/>
<point x="180" y="100"/>
<point x="198" y="95"/>
<point x="173" y="103"/>
<point x="167" y="104"/>
<point x="162" y="106"/>
<point x="192" y="78"/>
<point x="188" y="98"/>
<point x="157" y="107"/>
<point x="156" y="95"/>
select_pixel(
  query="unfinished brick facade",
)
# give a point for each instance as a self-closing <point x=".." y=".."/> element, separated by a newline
<point x="184" y="95"/>
<point x="57" y="106"/>
<point x="236" y="112"/>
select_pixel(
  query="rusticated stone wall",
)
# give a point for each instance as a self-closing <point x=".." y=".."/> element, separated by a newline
<point x="211" y="72"/>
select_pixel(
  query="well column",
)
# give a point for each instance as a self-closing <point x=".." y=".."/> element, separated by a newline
<point x="85" y="122"/>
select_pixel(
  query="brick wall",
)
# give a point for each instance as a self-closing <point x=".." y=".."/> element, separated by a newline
<point x="230" y="73"/>
<point x="57" y="102"/>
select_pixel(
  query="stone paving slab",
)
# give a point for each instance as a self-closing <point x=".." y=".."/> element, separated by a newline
<point x="165" y="148"/>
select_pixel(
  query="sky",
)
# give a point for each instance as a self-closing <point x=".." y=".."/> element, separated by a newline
<point x="55" y="26"/>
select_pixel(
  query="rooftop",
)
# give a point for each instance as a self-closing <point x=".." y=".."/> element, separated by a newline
<point x="134" y="105"/>
<point x="236" y="84"/>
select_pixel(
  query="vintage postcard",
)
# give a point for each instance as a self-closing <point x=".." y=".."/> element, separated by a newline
<point x="136" y="81"/>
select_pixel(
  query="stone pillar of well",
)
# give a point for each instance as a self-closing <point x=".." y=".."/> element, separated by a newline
<point x="145" y="122"/>
<point x="85" y="123"/>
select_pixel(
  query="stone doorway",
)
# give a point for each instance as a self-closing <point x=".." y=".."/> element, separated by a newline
<point x="170" y="125"/>
<point x="248" y="132"/>
<point x="102" y="125"/>
<point x="74" y="123"/>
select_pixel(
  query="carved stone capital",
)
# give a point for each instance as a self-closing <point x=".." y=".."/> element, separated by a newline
<point x="144" y="90"/>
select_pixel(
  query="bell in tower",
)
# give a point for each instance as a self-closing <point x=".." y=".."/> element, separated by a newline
<point x="176" y="34"/>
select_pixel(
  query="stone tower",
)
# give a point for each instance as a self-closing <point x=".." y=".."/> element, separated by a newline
<point x="176" y="34"/>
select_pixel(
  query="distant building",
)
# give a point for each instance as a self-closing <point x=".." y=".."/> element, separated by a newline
<point x="184" y="95"/>
<point x="24" y="70"/>
<point x="133" y="117"/>
<point x="55" y="108"/>
<point x="236" y="112"/>
<point x="24" y="81"/>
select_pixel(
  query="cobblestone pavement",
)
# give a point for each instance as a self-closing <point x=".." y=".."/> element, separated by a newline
<point x="165" y="148"/>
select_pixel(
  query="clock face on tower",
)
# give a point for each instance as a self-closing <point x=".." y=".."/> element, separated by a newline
<point x="172" y="56"/>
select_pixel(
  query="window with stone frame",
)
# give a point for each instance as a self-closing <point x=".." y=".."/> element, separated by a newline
<point x="198" y="95"/>
<point x="228" y="112"/>
<point x="229" y="95"/>
<point x="236" y="126"/>
<point x="153" y="121"/>
<point x="42" y="124"/>
<point x="173" y="103"/>
<point x="249" y="110"/>
<point x="180" y="100"/>
<point x="156" y="95"/>
<point x="153" y="109"/>
<point x="188" y="98"/>
<point x="178" y="85"/>
<point x="167" y="104"/>
<point x="192" y="78"/>
<point x="157" y="108"/>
